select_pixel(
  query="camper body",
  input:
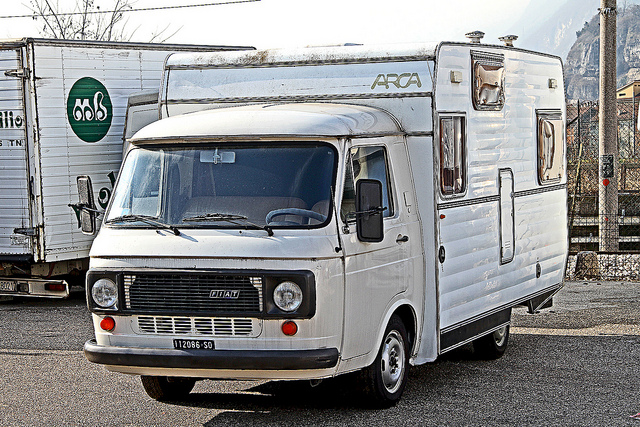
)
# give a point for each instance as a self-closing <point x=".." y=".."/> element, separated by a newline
<point x="62" y="109"/>
<point x="301" y="214"/>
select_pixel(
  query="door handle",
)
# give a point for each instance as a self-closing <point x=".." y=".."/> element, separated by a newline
<point x="402" y="239"/>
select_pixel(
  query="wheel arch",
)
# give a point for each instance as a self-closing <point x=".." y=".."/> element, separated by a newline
<point x="407" y="314"/>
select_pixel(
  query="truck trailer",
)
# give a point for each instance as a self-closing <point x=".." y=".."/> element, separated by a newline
<point x="299" y="214"/>
<point x="62" y="108"/>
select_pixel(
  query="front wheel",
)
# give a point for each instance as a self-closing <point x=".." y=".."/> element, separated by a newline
<point x="386" y="378"/>
<point x="167" y="388"/>
<point x="493" y="345"/>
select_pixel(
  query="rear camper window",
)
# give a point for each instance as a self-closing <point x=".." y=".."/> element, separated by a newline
<point x="452" y="155"/>
<point x="550" y="146"/>
<point x="488" y="81"/>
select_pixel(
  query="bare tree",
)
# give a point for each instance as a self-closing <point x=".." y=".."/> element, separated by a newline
<point x="86" y="21"/>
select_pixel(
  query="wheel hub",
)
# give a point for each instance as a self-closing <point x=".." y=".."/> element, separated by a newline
<point x="393" y="362"/>
<point x="500" y="335"/>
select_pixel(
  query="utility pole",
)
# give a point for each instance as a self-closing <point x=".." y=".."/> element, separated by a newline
<point x="608" y="124"/>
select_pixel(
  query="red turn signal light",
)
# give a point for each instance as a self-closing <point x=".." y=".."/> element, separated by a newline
<point x="289" y="328"/>
<point x="108" y="324"/>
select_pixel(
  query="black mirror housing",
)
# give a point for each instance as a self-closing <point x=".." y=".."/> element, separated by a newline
<point x="369" y="210"/>
<point x="86" y="205"/>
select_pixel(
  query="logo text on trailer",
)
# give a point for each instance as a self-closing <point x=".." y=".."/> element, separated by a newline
<point x="89" y="109"/>
<point x="399" y="81"/>
<point x="10" y="121"/>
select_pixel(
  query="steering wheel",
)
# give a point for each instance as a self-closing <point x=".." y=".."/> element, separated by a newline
<point x="294" y="211"/>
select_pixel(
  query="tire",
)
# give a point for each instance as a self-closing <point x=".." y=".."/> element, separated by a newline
<point x="166" y="389"/>
<point x="493" y="345"/>
<point x="385" y="380"/>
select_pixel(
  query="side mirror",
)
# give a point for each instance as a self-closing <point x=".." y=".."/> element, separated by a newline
<point x="86" y="208"/>
<point x="369" y="209"/>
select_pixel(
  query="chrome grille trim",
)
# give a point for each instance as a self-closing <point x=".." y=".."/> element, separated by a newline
<point x="169" y="293"/>
<point x="197" y="326"/>
<point x="128" y="280"/>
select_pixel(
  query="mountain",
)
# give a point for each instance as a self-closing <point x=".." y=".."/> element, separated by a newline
<point x="550" y="26"/>
<point x="582" y="65"/>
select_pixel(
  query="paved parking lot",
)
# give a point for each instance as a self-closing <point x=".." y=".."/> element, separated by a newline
<point x="575" y="364"/>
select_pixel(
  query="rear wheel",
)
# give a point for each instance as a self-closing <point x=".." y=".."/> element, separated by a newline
<point x="386" y="378"/>
<point x="493" y="345"/>
<point x="167" y="388"/>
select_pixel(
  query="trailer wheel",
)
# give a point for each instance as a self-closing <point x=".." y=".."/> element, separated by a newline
<point x="386" y="378"/>
<point x="493" y="345"/>
<point x="167" y="388"/>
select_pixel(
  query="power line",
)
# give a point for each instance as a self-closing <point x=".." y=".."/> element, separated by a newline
<point x="145" y="9"/>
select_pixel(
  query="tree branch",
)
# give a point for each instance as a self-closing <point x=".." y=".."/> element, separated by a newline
<point x="85" y="24"/>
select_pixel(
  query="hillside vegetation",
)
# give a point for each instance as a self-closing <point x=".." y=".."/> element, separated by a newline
<point x="582" y="65"/>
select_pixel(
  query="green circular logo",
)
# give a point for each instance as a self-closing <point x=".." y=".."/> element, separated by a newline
<point x="89" y="109"/>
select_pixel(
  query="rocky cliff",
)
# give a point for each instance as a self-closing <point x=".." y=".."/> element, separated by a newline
<point x="582" y="66"/>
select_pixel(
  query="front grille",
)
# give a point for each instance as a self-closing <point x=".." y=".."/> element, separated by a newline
<point x="216" y="327"/>
<point x="193" y="293"/>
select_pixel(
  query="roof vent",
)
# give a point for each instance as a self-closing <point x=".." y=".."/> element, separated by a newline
<point x="508" y="40"/>
<point x="475" y="36"/>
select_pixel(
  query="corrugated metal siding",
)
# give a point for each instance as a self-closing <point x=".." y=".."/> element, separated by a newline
<point x="14" y="200"/>
<point x="472" y="280"/>
<point x="63" y="155"/>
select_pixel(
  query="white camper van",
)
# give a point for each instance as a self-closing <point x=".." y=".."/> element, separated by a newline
<point x="300" y="214"/>
<point x="62" y="107"/>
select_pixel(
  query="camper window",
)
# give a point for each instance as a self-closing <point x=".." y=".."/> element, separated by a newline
<point x="488" y="81"/>
<point x="452" y="155"/>
<point x="365" y="163"/>
<point x="550" y="146"/>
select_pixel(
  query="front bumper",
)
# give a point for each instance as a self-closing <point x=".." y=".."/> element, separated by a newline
<point x="212" y="359"/>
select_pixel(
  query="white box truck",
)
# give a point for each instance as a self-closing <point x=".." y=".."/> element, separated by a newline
<point x="62" y="108"/>
<point x="305" y="213"/>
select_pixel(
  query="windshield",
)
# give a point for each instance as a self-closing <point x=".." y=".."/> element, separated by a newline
<point x="228" y="186"/>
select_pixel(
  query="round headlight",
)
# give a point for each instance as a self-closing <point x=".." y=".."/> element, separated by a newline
<point x="105" y="293"/>
<point x="287" y="296"/>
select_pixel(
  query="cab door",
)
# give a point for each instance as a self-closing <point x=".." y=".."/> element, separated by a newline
<point x="375" y="272"/>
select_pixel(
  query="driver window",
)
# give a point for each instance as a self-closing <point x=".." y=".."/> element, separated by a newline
<point x="365" y="163"/>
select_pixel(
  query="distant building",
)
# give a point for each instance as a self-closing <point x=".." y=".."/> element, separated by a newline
<point x="628" y="119"/>
<point x="632" y="90"/>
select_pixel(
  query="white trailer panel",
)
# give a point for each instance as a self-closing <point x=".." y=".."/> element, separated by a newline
<point x="14" y="197"/>
<point x="63" y="155"/>
<point x="490" y="259"/>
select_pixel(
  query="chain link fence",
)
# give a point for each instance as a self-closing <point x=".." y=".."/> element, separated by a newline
<point x="587" y="259"/>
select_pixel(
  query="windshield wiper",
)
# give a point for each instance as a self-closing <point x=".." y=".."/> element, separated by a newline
<point x="233" y="219"/>
<point x="147" y="219"/>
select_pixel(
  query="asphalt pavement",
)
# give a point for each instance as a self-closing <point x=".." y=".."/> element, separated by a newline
<point x="575" y="364"/>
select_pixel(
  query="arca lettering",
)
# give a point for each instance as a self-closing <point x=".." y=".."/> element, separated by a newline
<point x="400" y="81"/>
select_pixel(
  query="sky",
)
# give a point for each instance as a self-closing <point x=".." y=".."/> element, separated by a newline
<point x="297" y="23"/>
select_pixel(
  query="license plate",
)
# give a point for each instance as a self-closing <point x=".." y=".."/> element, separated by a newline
<point x="8" y="286"/>
<point x="193" y="344"/>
